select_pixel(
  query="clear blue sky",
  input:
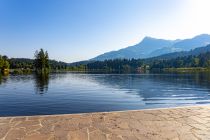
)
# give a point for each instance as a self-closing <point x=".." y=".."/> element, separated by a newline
<point x="73" y="30"/>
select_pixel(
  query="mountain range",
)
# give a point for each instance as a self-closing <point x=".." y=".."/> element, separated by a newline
<point x="151" y="47"/>
<point x="194" y="52"/>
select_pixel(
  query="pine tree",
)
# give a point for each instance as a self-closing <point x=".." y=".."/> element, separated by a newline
<point x="41" y="61"/>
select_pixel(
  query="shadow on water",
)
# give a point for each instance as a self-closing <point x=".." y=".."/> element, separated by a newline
<point x="41" y="83"/>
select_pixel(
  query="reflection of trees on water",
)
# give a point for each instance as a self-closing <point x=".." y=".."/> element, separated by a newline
<point x="0" y="79"/>
<point x="143" y="84"/>
<point x="41" y="82"/>
<point x="3" y="79"/>
<point x="124" y="81"/>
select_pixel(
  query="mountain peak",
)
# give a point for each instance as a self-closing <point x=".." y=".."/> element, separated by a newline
<point x="148" y="38"/>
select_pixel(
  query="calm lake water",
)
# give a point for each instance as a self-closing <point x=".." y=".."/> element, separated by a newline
<point x="78" y="93"/>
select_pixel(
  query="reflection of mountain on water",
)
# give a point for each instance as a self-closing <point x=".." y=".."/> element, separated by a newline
<point x="41" y="82"/>
<point x="160" y="86"/>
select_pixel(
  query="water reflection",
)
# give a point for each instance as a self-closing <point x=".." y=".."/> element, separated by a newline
<point x="161" y="88"/>
<point x="80" y="93"/>
<point x="41" y="82"/>
<point x="0" y="79"/>
<point x="135" y="81"/>
<point x="3" y="78"/>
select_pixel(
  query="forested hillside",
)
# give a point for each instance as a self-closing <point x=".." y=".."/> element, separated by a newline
<point x="17" y="63"/>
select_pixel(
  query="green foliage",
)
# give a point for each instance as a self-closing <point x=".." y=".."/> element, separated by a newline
<point x="187" y="70"/>
<point x="115" y="65"/>
<point x="42" y="64"/>
<point x="21" y="63"/>
<point x="77" y="68"/>
<point x="41" y="61"/>
<point x="55" y="65"/>
<point x="4" y="64"/>
<point x="22" y="71"/>
<point x="197" y="61"/>
<point x="202" y="60"/>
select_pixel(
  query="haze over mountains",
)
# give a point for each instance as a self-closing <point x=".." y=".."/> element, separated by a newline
<point x="194" y="52"/>
<point x="152" y="47"/>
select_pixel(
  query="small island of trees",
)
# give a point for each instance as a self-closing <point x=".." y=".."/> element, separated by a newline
<point x="41" y="62"/>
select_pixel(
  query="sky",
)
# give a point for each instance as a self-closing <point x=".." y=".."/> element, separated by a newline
<point x="75" y="30"/>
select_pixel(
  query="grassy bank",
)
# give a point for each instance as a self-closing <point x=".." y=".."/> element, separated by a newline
<point x="176" y="70"/>
<point x="30" y="71"/>
<point x="186" y="70"/>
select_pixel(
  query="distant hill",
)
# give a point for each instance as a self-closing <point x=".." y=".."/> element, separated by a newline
<point x="151" y="47"/>
<point x="193" y="52"/>
<point x="197" y="41"/>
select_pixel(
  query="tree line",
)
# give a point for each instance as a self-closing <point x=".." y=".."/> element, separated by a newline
<point x="115" y="65"/>
<point x="192" y="61"/>
<point x="42" y="63"/>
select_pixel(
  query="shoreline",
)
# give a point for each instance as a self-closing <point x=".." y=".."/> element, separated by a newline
<point x="105" y="112"/>
<point x="169" y="123"/>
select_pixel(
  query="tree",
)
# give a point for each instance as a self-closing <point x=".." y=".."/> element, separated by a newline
<point x="41" y="61"/>
<point x="4" y="64"/>
<point x="5" y="57"/>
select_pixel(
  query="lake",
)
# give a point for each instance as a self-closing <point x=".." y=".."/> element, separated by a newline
<point x="63" y="93"/>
